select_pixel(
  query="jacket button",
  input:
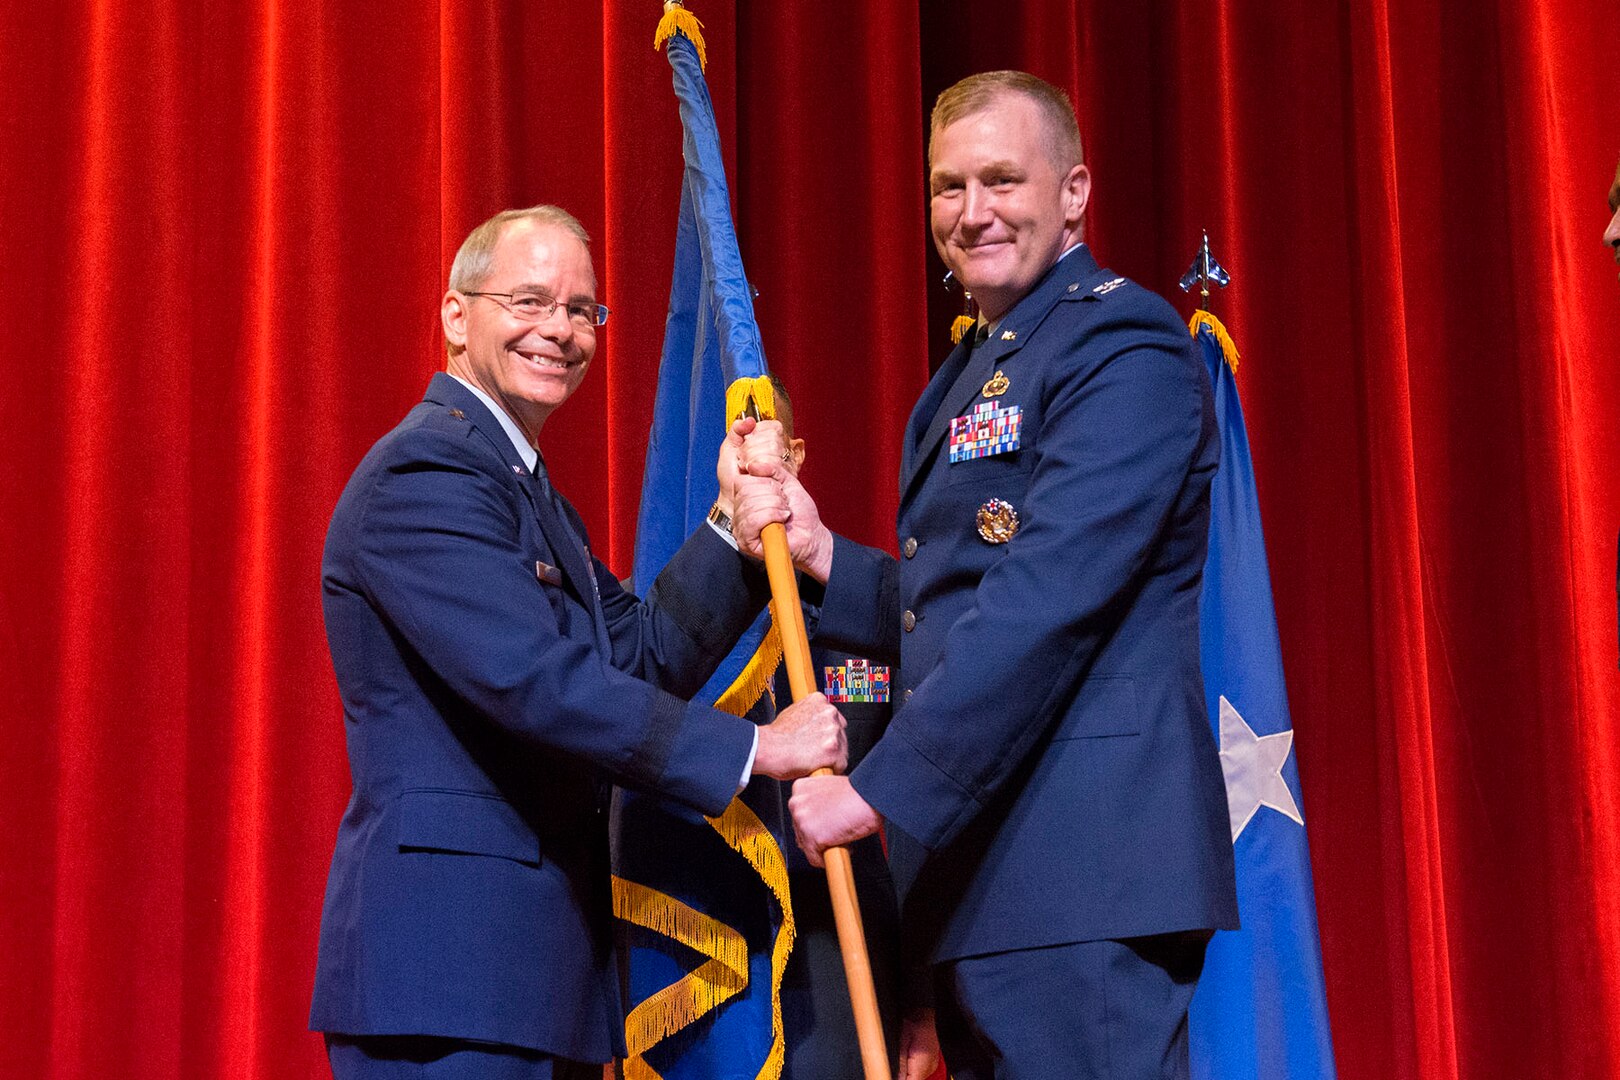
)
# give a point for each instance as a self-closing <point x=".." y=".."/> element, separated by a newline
<point x="909" y="620"/>
<point x="908" y="695"/>
<point x="911" y="546"/>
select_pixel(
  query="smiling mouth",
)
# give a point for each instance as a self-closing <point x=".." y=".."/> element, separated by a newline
<point x="547" y="363"/>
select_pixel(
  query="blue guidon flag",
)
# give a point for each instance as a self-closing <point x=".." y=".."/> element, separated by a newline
<point x="1260" y="1012"/>
<point x="707" y="923"/>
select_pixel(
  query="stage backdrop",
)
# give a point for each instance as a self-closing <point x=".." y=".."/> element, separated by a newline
<point x="224" y="228"/>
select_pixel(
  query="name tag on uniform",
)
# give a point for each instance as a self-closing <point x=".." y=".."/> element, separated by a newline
<point x="986" y="431"/>
<point x="856" y="680"/>
<point x="547" y="573"/>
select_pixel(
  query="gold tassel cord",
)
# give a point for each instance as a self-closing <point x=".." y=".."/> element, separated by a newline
<point x="1201" y="319"/>
<point x="964" y="323"/>
<point x="677" y="20"/>
<point x="759" y="389"/>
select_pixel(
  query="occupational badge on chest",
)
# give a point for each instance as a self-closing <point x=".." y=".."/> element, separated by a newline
<point x="855" y="680"/>
<point x="996" y="386"/>
<point x="997" y="521"/>
<point x="986" y="431"/>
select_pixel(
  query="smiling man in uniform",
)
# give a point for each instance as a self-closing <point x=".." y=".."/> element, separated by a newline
<point x="1053" y="797"/>
<point x="496" y="680"/>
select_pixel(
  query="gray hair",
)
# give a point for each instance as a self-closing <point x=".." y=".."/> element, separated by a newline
<point x="472" y="262"/>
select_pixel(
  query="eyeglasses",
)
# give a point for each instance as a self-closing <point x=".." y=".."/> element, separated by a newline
<point x="533" y="307"/>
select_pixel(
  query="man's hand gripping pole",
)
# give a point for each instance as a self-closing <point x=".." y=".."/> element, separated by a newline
<point x="840" y="872"/>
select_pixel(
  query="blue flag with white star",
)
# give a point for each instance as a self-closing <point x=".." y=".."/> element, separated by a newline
<point x="1260" y="1012"/>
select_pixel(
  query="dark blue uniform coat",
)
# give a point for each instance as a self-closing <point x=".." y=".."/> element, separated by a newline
<point x="495" y="680"/>
<point x="1050" y="775"/>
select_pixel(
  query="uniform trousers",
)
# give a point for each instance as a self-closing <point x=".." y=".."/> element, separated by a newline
<point x="1092" y="1010"/>
<point x="426" y="1057"/>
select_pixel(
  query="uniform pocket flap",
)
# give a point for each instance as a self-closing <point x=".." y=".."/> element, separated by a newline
<point x="465" y="821"/>
<point x="1106" y="705"/>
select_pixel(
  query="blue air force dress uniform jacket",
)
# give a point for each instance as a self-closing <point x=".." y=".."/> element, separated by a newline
<point x="495" y="681"/>
<point x="1050" y="776"/>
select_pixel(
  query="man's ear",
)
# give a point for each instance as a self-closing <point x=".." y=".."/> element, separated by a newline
<point x="453" y="314"/>
<point x="1076" y="193"/>
<point x="796" y="452"/>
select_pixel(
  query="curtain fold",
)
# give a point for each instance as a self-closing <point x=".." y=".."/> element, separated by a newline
<point x="224" y="233"/>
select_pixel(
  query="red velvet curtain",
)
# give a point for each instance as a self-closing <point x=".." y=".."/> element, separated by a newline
<point x="224" y="229"/>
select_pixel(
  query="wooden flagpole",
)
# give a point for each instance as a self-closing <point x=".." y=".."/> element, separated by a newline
<point x="840" y="873"/>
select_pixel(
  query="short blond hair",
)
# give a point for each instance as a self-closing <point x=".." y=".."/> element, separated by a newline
<point x="471" y="266"/>
<point x="978" y="92"/>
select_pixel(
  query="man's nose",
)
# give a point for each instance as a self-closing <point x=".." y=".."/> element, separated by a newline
<point x="558" y="326"/>
<point x="976" y="205"/>
<point x="1611" y="235"/>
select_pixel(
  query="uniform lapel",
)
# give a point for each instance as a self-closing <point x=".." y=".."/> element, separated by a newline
<point x="959" y="393"/>
<point x="549" y="497"/>
<point x="967" y="386"/>
<point x="927" y="405"/>
<point x="565" y="544"/>
<point x="560" y="537"/>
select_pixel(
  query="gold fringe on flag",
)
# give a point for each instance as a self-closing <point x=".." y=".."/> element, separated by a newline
<point x="746" y="834"/>
<point x="754" y="679"/>
<point x="677" y="20"/>
<point x="724" y="973"/>
<point x="721" y="976"/>
<point x="1202" y="318"/>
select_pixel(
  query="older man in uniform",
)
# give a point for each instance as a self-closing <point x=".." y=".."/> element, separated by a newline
<point x="495" y="681"/>
<point x="1055" y="810"/>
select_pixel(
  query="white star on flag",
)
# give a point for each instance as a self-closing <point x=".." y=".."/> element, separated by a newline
<point x="1253" y="767"/>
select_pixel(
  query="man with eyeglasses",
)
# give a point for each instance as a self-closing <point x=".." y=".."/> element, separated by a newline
<point x="496" y="681"/>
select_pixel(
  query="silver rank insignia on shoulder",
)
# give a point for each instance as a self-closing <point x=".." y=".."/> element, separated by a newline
<point x="1108" y="286"/>
<point x="997" y="521"/>
<point x="1009" y="335"/>
<point x="997" y="386"/>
